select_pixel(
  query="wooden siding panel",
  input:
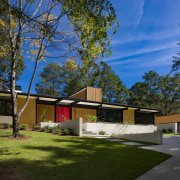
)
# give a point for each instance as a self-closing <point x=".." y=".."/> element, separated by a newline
<point x="50" y="112"/>
<point x="128" y="116"/>
<point x="29" y="114"/>
<point x="81" y="112"/>
<point x="80" y="95"/>
<point x="167" y="119"/>
<point x="94" y="94"/>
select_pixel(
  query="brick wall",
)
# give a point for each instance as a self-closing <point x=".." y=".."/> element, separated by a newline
<point x="167" y="119"/>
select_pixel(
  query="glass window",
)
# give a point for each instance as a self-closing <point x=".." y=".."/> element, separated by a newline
<point x="5" y="107"/>
<point x="144" y="118"/>
<point x="109" y="115"/>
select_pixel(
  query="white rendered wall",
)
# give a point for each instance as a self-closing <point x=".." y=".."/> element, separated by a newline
<point x="116" y="129"/>
<point x="6" y="119"/>
<point x="167" y="126"/>
<point x="75" y="125"/>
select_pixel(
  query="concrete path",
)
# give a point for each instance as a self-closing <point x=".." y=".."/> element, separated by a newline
<point x="169" y="169"/>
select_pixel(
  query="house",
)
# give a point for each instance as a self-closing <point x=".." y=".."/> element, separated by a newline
<point x="81" y="103"/>
<point x="169" y="123"/>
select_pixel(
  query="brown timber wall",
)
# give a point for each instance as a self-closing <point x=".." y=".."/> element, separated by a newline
<point x="80" y="95"/>
<point x="128" y="116"/>
<point x="82" y="112"/>
<point x="50" y="112"/>
<point x="29" y="114"/>
<point x="167" y="119"/>
<point x="94" y="94"/>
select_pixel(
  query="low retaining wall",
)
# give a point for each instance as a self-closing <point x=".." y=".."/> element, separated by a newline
<point x="155" y="137"/>
<point x="116" y="129"/>
<point x="6" y="119"/>
<point x="167" y="126"/>
<point x="75" y="125"/>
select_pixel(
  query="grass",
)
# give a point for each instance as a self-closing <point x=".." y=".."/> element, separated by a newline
<point x="47" y="156"/>
<point x="164" y="134"/>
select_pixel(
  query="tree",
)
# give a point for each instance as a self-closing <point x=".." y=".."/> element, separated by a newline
<point x="113" y="91"/>
<point x="176" y="62"/>
<point x="151" y="79"/>
<point x="5" y="54"/>
<point x="39" y="28"/>
<point x="169" y="94"/>
<point x="138" y="95"/>
<point x="50" y="80"/>
<point x="83" y="75"/>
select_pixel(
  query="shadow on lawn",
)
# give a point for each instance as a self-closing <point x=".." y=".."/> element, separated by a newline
<point x="81" y="158"/>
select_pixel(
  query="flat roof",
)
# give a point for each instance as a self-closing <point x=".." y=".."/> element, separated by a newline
<point x="69" y="101"/>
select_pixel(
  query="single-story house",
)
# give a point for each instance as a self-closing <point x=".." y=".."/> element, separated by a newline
<point x="169" y="123"/>
<point x="85" y="101"/>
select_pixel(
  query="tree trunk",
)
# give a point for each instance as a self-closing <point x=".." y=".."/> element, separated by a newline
<point x="16" y="126"/>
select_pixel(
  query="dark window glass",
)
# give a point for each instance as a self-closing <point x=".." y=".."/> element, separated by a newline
<point x="109" y="115"/>
<point x="144" y="118"/>
<point x="5" y="107"/>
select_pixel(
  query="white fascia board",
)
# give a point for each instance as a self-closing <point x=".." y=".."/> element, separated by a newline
<point x="113" y="106"/>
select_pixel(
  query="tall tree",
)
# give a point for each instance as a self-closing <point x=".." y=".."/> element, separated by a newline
<point x="176" y="62"/>
<point x="138" y="94"/>
<point x="113" y="91"/>
<point x="50" y="80"/>
<point x="169" y="101"/>
<point x="5" y="53"/>
<point x="39" y="23"/>
<point x="151" y="79"/>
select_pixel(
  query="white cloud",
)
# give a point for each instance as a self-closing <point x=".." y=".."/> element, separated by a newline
<point x="139" y="11"/>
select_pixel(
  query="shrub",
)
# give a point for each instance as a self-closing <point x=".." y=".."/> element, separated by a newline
<point x="46" y="128"/>
<point x="42" y="130"/>
<point x="35" y="128"/>
<point x="50" y="129"/>
<point x="57" y="130"/>
<point x="102" y="132"/>
<point x="66" y="131"/>
<point x="170" y="130"/>
<point x="11" y="125"/>
<point x="164" y="130"/>
<point x="43" y="116"/>
<point x="5" y="125"/>
<point x="91" y="118"/>
<point x="23" y="127"/>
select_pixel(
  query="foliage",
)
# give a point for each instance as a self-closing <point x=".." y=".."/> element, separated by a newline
<point x="50" y="80"/>
<point x="45" y="156"/>
<point x="176" y="61"/>
<point x="40" y="29"/>
<point x="91" y="118"/>
<point x="24" y="127"/>
<point x="66" y="131"/>
<point x="46" y="128"/>
<point x="43" y="116"/>
<point x="102" y="132"/>
<point x="35" y="128"/>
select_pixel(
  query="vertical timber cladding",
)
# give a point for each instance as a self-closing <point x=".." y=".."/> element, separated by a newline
<point x="82" y="112"/>
<point x="50" y="115"/>
<point x="129" y="116"/>
<point x="80" y="95"/>
<point x="93" y="94"/>
<point x="29" y="114"/>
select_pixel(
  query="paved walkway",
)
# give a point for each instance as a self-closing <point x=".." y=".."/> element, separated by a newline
<point x="169" y="169"/>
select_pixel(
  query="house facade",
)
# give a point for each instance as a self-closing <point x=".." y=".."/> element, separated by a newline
<point x="85" y="101"/>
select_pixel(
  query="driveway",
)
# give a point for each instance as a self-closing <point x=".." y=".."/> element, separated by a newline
<point x="169" y="169"/>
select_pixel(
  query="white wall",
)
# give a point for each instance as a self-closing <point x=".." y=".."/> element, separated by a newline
<point x="116" y="129"/>
<point x="75" y="125"/>
<point x="42" y="124"/>
<point x="167" y="126"/>
<point x="6" y="119"/>
<point x="155" y="137"/>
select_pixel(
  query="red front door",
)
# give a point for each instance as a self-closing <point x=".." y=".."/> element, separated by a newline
<point x="62" y="114"/>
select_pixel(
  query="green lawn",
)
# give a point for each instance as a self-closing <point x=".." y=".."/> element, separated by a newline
<point x="164" y="134"/>
<point x="52" y="157"/>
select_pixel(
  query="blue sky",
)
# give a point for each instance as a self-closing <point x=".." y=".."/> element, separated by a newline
<point x="146" y="40"/>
